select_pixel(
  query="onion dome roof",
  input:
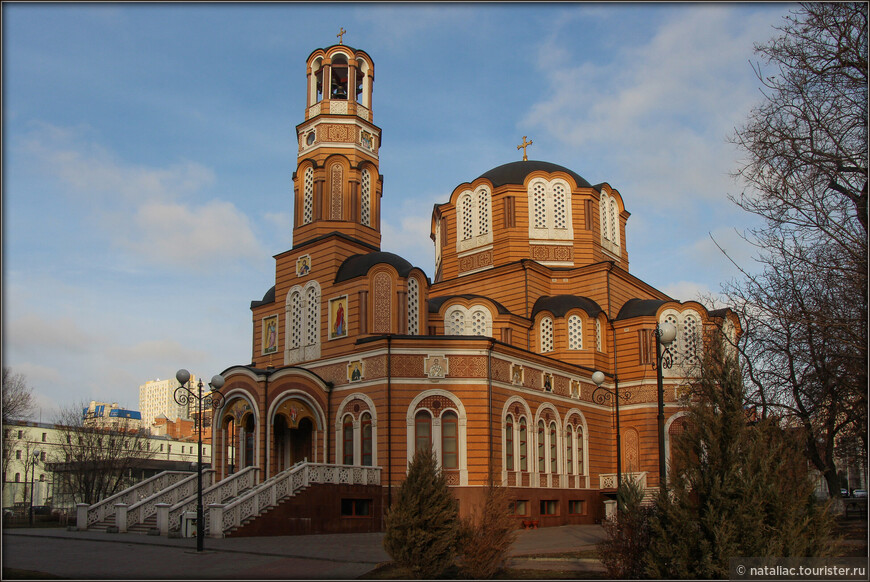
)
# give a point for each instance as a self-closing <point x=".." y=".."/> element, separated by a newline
<point x="516" y="172"/>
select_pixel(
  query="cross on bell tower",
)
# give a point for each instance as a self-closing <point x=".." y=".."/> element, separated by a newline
<point x="340" y="35"/>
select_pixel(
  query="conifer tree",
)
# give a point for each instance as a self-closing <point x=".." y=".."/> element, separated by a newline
<point x="422" y="525"/>
<point x="738" y="487"/>
<point x="487" y="535"/>
<point x="622" y="552"/>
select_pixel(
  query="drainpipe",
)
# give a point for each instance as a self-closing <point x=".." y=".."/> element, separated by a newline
<point x="269" y="370"/>
<point x="526" y="276"/>
<point x="326" y="428"/>
<point x="389" y="421"/>
<point x="489" y="405"/>
<point x="615" y="381"/>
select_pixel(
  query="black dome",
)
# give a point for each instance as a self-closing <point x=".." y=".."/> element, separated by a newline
<point x="359" y="265"/>
<point x="516" y="172"/>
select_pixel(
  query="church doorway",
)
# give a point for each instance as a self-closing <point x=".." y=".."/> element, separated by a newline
<point x="294" y="433"/>
<point x="300" y="439"/>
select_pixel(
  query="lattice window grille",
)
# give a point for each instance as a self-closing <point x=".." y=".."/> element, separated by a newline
<point x="478" y="323"/>
<point x="467" y="218"/>
<point x="455" y="323"/>
<point x="605" y="225"/>
<point x="540" y="205"/>
<point x="598" y="334"/>
<point x="366" y="198"/>
<point x="313" y="298"/>
<point x="560" y="212"/>
<point x="546" y="335"/>
<point x="690" y="339"/>
<point x="575" y="333"/>
<point x="614" y="225"/>
<point x="413" y="307"/>
<point x="308" y="197"/>
<point x="482" y="212"/>
<point x="296" y="320"/>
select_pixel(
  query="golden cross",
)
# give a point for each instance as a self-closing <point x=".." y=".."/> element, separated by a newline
<point x="524" y="145"/>
<point x="340" y="34"/>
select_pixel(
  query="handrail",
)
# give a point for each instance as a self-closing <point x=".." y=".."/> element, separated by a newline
<point x="103" y="509"/>
<point x="216" y="493"/>
<point x="287" y="484"/>
<point x="139" y="512"/>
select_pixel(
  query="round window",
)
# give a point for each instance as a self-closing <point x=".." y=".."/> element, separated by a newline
<point x="310" y="139"/>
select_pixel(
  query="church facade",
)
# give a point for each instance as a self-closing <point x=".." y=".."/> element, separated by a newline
<point x="358" y="358"/>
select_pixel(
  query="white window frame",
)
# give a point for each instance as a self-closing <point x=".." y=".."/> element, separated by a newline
<point x="469" y="212"/>
<point x="549" y="230"/>
<point x="608" y="214"/>
<point x="307" y="321"/>
<point x="467" y="323"/>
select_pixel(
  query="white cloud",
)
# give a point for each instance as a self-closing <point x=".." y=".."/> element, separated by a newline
<point x="33" y="332"/>
<point x="165" y="230"/>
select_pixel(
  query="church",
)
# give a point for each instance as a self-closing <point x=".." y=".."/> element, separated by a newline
<point x="528" y="360"/>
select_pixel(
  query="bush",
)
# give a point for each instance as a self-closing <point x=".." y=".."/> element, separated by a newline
<point x="622" y="552"/>
<point x="423" y="523"/>
<point x="486" y="536"/>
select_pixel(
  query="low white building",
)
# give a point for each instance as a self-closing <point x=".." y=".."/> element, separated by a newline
<point x="29" y="448"/>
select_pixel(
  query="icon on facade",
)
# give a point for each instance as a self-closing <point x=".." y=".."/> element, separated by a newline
<point x="548" y="382"/>
<point x="338" y="317"/>
<point x="517" y="374"/>
<point x="303" y="265"/>
<point x="270" y="334"/>
<point x="355" y="371"/>
<point x="575" y="388"/>
<point x="435" y="367"/>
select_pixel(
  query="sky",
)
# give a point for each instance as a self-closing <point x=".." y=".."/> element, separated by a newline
<point x="148" y="154"/>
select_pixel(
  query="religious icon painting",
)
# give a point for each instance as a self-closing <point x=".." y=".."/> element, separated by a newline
<point x="517" y="374"/>
<point x="548" y="382"/>
<point x="338" y="317"/>
<point x="270" y="334"/>
<point x="303" y="265"/>
<point x="575" y="388"/>
<point x="435" y="367"/>
<point x="355" y="371"/>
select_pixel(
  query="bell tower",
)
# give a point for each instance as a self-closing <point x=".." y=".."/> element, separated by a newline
<point x="337" y="184"/>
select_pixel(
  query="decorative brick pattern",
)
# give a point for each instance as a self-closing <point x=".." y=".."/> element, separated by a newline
<point x="435" y="403"/>
<point x="501" y="370"/>
<point x="335" y="192"/>
<point x="630" y="450"/>
<point x="551" y="253"/>
<point x="452" y="478"/>
<point x="533" y="379"/>
<point x="382" y="302"/>
<point x="337" y="132"/>
<point x="376" y="367"/>
<point x="335" y="373"/>
<point x="561" y="385"/>
<point x="356" y="407"/>
<point x="468" y="366"/>
<point x="475" y="261"/>
<point x="408" y="366"/>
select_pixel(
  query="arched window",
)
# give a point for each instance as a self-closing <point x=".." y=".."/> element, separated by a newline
<point x="312" y="316"/>
<point x="454" y="322"/>
<point x="366" y="198"/>
<point x="308" y="196"/>
<point x="295" y="319"/>
<point x="546" y="335"/>
<point x="553" y="466"/>
<point x="689" y="338"/>
<point x="687" y="347"/>
<point x="474" y="216"/>
<point x="569" y="449"/>
<point x="422" y="430"/>
<point x="347" y="440"/>
<point x="524" y="445"/>
<point x="542" y="448"/>
<point x="302" y="316"/>
<point x="598" y="343"/>
<point x="509" y="443"/>
<point x="479" y="321"/>
<point x="459" y="320"/>
<point x="338" y="89"/>
<point x="550" y="210"/>
<point x="580" y="466"/>
<point x="575" y="333"/>
<point x="450" y="440"/>
<point x="413" y="306"/>
<point x="366" y="430"/>
<point x="467" y="217"/>
<point x="17" y="477"/>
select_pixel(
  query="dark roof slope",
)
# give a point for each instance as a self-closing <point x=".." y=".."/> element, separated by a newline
<point x="436" y="303"/>
<point x="358" y="265"/>
<point x="516" y="172"/>
<point x="639" y="308"/>
<point x="559" y="305"/>
<point x="269" y="297"/>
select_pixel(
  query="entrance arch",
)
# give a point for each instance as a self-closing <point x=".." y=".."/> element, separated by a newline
<point x="295" y="425"/>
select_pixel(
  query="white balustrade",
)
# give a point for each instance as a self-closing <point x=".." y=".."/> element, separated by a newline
<point x="101" y="511"/>
<point x="286" y="484"/>
<point x="219" y="492"/>
<point x="609" y="480"/>
<point x="139" y="512"/>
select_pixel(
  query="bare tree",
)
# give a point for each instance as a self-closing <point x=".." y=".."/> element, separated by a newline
<point x="804" y="311"/>
<point x="17" y="396"/>
<point x="93" y="461"/>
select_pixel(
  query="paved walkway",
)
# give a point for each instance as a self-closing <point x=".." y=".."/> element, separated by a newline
<point x="104" y="556"/>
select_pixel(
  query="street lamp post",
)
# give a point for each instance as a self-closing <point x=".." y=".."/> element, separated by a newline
<point x="36" y="453"/>
<point x="183" y="396"/>
<point x="603" y="395"/>
<point x="664" y="334"/>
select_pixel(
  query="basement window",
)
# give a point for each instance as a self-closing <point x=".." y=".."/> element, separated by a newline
<point x="519" y="507"/>
<point x="576" y="507"/>
<point x="549" y="507"/>
<point x="356" y="507"/>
